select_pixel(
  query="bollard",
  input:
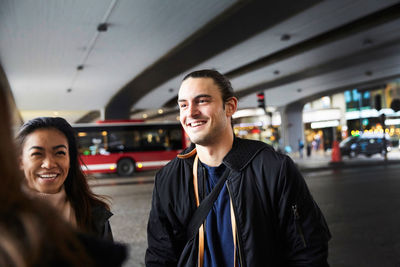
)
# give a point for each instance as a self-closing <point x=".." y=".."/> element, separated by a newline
<point x="336" y="155"/>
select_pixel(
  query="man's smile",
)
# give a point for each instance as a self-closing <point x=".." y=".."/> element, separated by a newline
<point x="196" y="123"/>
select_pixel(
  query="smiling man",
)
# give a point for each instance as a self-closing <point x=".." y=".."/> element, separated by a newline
<point x="205" y="115"/>
<point x="262" y="213"/>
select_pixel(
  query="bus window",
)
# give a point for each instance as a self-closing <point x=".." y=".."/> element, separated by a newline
<point x="91" y="143"/>
<point x="175" y="138"/>
<point x="124" y="141"/>
<point x="152" y="139"/>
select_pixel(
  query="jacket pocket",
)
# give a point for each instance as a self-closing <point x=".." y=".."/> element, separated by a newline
<point x="297" y="223"/>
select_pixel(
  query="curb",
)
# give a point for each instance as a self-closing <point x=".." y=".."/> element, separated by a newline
<point x="346" y="165"/>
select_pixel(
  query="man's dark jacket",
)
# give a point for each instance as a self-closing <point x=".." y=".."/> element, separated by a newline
<point x="278" y="222"/>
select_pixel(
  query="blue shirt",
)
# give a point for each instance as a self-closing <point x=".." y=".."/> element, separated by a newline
<point x="218" y="243"/>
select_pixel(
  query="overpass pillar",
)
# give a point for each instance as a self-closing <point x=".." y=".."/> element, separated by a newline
<point x="292" y="128"/>
<point x="102" y="114"/>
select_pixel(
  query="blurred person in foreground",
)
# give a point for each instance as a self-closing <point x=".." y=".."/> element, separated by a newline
<point x="264" y="215"/>
<point x="31" y="232"/>
<point x="50" y="161"/>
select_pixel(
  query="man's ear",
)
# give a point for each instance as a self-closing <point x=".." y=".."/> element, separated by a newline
<point x="231" y="106"/>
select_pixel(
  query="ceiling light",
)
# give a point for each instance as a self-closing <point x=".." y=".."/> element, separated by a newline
<point x="367" y="42"/>
<point x="285" y="37"/>
<point x="160" y="111"/>
<point x="144" y="116"/>
<point x="102" y="27"/>
<point x="368" y="73"/>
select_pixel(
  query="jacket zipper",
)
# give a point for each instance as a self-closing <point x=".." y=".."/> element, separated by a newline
<point x="237" y="228"/>
<point x="298" y="225"/>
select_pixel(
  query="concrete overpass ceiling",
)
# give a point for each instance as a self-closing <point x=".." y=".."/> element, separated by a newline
<point x="277" y="47"/>
<point x="244" y="20"/>
<point x="143" y="31"/>
<point x="300" y="27"/>
<point x="379" y="38"/>
<point x="317" y="20"/>
<point x="43" y="42"/>
<point x="360" y="59"/>
<point x="317" y="70"/>
<point x="383" y="70"/>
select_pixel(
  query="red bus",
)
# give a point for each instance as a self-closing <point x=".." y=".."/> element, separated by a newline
<point x="127" y="147"/>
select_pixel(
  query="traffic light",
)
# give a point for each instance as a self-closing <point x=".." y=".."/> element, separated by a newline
<point x="261" y="100"/>
<point x="378" y="102"/>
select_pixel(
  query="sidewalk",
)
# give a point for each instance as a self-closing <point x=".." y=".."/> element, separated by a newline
<point x="320" y="160"/>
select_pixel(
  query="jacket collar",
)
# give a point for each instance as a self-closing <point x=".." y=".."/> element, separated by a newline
<point x="188" y="152"/>
<point x="241" y="154"/>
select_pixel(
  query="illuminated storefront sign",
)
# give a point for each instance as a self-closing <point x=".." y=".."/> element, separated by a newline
<point x="392" y="122"/>
<point x="321" y="115"/>
<point x="324" y="124"/>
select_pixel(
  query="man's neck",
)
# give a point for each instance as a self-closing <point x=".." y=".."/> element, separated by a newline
<point x="214" y="154"/>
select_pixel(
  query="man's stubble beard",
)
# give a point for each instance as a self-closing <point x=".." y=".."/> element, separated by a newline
<point x="212" y="137"/>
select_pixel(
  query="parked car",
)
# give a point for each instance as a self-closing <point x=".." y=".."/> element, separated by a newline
<point x="366" y="144"/>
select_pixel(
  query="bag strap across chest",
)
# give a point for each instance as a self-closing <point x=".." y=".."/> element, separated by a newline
<point x="196" y="223"/>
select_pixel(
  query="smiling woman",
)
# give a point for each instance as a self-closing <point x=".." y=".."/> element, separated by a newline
<point x="45" y="160"/>
<point x="31" y="234"/>
<point x="50" y="161"/>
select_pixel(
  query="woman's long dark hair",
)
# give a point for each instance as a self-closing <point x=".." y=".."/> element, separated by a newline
<point x="76" y="186"/>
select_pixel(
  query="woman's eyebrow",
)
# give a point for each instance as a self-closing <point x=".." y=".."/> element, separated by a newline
<point x="59" y="146"/>
<point x="36" y="147"/>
